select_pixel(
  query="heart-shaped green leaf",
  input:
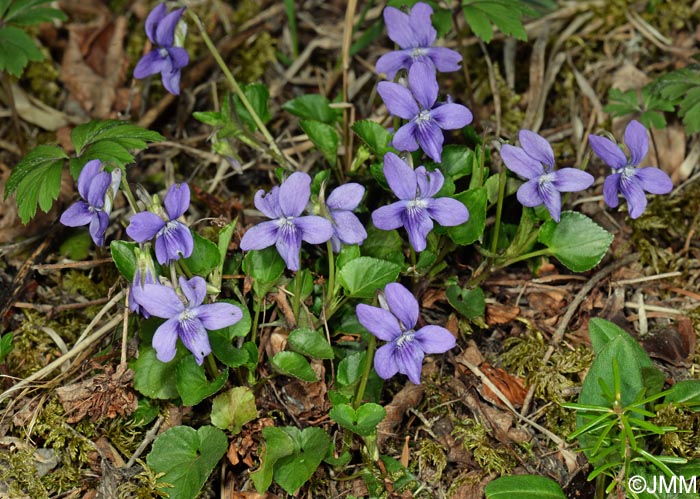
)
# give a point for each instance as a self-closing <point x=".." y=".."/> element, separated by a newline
<point x="468" y="302"/>
<point x="576" y="241"/>
<point x="153" y="378"/>
<point x="205" y="256"/>
<point x="311" y="446"/>
<point x="294" y="364"/>
<point x="363" y="276"/>
<point x="278" y="444"/>
<point x="308" y="342"/>
<point x="234" y="408"/>
<point x="192" y="383"/>
<point x="362" y="421"/>
<point x="187" y="457"/>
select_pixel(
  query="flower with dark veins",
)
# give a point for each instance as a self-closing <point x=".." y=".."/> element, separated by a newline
<point x="173" y="238"/>
<point x="534" y="161"/>
<point x="627" y="178"/>
<point x="165" y="58"/>
<point x="417" y="104"/>
<point x="415" y="35"/>
<point x="287" y="228"/>
<point x="97" y="188"/>
<point x="188" y="320"/>
<point x="347" y="228"/>
<point x="395" y="322"/>
<point x="417" y="207"/>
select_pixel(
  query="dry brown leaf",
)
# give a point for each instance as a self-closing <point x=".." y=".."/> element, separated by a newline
<point x="308" y="399"/>
<point x="513" y="387"/>
<point x="108" y="394"/>
<point x="94" y="64"/>
<point x="497" y="313"/>
<point x="409" y="396"/>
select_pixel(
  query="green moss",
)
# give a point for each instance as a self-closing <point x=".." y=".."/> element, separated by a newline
<point x="552" y="380"/>
<point x="18" y="473"/>
<point x="432" y="460"/>
<point x="251" y="60"/>
<point x="77" y="282"/>
<point x="685" y="441"/>
<point x="144" y="485"/>
<point x="42" y="77"/>
<point x="72" y="443"/>
<point x="491" y="458"/>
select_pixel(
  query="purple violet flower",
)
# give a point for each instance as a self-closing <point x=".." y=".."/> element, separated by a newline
<point x="173" y="238"/>
<point x="97" y="188"/>
<point x="534" y="161"/>
<point x="395" y="323"/>
<point x="188" y="321"/>
<point x="347" y="228"/>
<point x="165" y="58"/>
<point x="414" y="33"/>
<point x="626" y="177"/>
<point x="417" y="207"/>
<point x="417" y="103"/>
<point x="284" y="205"/>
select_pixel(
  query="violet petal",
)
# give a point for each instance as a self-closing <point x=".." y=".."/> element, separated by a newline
<point x="378" y="321"/>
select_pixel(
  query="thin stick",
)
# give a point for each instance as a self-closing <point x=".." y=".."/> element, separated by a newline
<point x="100" y="314"/>
<point x="150" y="436"/>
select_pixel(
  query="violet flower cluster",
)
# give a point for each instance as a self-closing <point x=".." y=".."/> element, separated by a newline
<point x="188" y="318"/>
<point x="534" y="162"/>
<point x="395" y="322"/>
<point x="165" y="58"/>
<point x="417" y="103"/>
<point x="287" y="228"/>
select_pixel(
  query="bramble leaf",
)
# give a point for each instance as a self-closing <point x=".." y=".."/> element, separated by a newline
<point x="17" y="50"/>
<point x="28" y="12"/>
<point x="36" y="180"/>
<point x="110" y="141"/>
<point x="682" y="87"/>
<point x="504" y="14"/>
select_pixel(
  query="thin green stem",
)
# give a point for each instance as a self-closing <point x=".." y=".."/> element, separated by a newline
<point x="211" y="366"/>
<point x="532" y="254"/>
<point x="256" y="318"/>
<point x="275" y="150"/>
<point x="369" y="359"/>
<point x="173" y="274"/>
<point x="330" y="292"/>
<point x="499" y="209"/>
<point x="126" y="189"/>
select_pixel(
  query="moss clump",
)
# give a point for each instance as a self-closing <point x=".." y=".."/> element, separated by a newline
<point x="474" y="437"/>
<point x="250" y="61"/>
<point x="70" y="442"/>
<point x="432" y="460"/>
<point x="685" y="441"/>
<point x="18" y="473"/>
<point x="523" y="355"/>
